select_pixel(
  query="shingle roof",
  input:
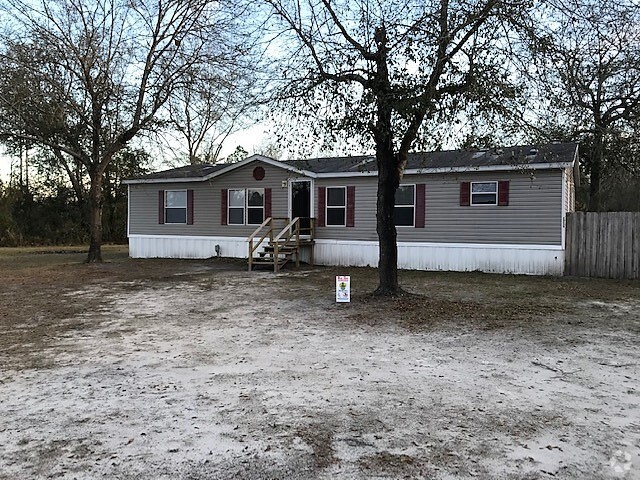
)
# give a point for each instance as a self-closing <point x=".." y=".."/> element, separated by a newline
<point x="189" y="171"/>
<point x="511" y="157"/>
<point x="334" y="164"/>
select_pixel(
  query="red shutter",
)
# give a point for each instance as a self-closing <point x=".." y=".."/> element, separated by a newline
<point x="267" y="203"/>
<point x="503" y="193"/>
<point x="160" y="207"/>
<point x="465" y="194"/>
<point x="351" y="205"/>
<point x="420" y="205"/>
<point x="189" y="207"/>
<point x="321" y="205"/>
<point x="223" y="206"/>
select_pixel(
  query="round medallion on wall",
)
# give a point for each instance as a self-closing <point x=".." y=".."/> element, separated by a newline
<point x="258" y="173"/>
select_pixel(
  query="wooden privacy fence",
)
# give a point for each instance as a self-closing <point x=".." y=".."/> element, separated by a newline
<point x="603" y="245"/>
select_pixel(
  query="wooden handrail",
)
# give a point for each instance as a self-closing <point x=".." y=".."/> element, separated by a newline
<point x="252" y="246"/>
<point x="292" y="229"/>
<point x="286" y="229"/>
<point x="257" y="230"/>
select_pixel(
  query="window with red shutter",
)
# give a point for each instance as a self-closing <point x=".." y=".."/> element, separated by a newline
<point x="420" y="205"/>
<point x="503" y="193"/>
<point x="351" y="206"/>
<point x="404" y="211"/>
<point x="465" y="194"/>
<point x="223" y="206"/>
<point x="484" y="193"/>
<point x="161" y="207"/>
<point x="335" y="206"/>
<point x="189" y="207"/>
<point x="267" y="203"/>
<point x="321" y="206"/>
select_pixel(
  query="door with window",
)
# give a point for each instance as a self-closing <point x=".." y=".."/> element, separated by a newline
<point x="300" y="204"/>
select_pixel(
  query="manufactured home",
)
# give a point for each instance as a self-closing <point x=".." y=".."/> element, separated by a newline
<point x="500" y="210"/>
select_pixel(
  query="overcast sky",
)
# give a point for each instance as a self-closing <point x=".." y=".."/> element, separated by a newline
<point x="250" y="139"/>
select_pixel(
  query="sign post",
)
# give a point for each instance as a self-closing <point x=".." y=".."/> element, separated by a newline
<point x="343" y="288"/>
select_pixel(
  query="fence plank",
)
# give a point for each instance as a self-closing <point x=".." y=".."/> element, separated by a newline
<point x="603" y="244"/>
<point x="636" y="247"/>
<point x="585" y="243"/>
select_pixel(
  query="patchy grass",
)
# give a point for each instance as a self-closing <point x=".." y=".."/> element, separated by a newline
<point x="198" y="369"/>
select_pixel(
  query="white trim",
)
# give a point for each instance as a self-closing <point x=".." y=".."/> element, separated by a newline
<point x="311" y="195"/>
<point x="373" y="242"/>
<point x="413" y="217"/>
<point x="244" y="206"/>
<point x="484" y="168"/>
<point x="499" y="258"/>
<point x="129" y="208"/>
<point x="136" y="181"/>
<point x="260" y="158"/>
<point x="186" y="246"/>
<point x="497" y="193"/>
<point x="563" y="223"/>
<point x="516" y="259"/>
<point x="247" y="207"/>
<point x="512" y="246"/>
<point x="222" y="171"/>
<point x="326" y="206"/>
<point x="373" y="173"/>
<point x="576" y="168"/>
<point x="186" y="207"/>
<point x="188" y="237"/>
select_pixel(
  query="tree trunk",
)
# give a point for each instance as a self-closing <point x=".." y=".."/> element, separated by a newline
<point x="388" y="175"/>
<point x="385" y="226"/>
<point x="95" y="219"/>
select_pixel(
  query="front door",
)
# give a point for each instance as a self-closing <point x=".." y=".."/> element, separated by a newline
<point x="300" y="204"/>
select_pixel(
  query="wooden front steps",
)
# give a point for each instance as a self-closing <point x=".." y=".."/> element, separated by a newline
<point x="282" y="248"/>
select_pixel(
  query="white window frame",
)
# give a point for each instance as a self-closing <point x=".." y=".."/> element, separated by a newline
<point x="229" y="207"/>
<point x="413" y="205"/>
<point x="327" y="207"/>
<point x="246" y="199"/>
<point x="186" y="203"/>
<point x="245" y="207"/>
<point x="495" y="182"/>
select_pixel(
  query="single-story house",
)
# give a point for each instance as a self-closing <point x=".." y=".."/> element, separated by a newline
<point x="500" y="210"/>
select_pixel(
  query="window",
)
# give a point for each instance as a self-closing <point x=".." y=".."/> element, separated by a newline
<point x="255" y="206"/>
<point x="236" y="207"/>
<point x="175" y="206"/>
<point x="404" y="211"/>
<point x="484" y="193"/>
<point x="250" y="201"/>
<point x="336" y="206"/>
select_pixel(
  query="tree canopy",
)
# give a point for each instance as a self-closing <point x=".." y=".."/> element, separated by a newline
<point x="587" y="62"/>
<point x="83" y="78"/>
<point x="383" y="71"/>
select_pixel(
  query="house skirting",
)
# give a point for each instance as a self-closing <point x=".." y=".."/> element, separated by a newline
<point x="461" y="257"/>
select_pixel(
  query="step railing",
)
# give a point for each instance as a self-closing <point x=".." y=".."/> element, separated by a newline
<point x="268" y="224"/>
<point x="288" y="237"/>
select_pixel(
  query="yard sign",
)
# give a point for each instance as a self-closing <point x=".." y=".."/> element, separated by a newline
<point x="343" y="288"/>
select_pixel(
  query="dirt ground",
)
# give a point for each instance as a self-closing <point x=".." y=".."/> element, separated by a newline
<point x="167" y="369"/>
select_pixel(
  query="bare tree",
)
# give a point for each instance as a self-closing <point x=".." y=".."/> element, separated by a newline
<point x="96" y="74"/>
<point x="213" y="102"/>
<point x="383" y="70"/>
<point x="589" y="67"/>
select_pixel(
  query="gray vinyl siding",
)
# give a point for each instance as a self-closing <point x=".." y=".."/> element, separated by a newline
<point x="143" y="201"/>
<point x="143" y="209"/>
<point x="533" y="216"/>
